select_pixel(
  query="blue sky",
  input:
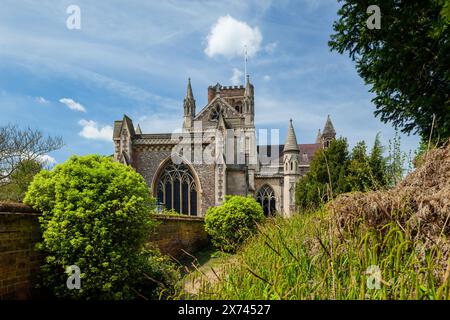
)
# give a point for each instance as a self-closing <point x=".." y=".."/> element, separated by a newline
<point x="134" y="57"/>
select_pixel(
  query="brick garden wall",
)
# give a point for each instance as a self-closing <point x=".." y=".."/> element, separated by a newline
<point x="175" y="233"/>
<point x="19" y="233"/>
<point x="19" y="262"/>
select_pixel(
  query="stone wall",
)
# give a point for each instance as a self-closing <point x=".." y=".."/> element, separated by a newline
<point x="236" y="182"/>
<point x="19" y="261"/>
<point x="147" y="161"/>
<point x="19" y="233"/>
<point x="177" y="233"/>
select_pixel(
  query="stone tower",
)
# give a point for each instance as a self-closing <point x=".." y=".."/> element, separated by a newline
<point x="328" y="134"/>
<point x="291" y="158"/>
<point x="189" y="107"/>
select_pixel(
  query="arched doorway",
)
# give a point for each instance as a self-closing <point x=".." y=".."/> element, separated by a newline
<point x="266" y="197"/>
<point x="176" y="189"/>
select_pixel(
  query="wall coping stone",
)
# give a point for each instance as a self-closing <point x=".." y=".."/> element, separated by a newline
<point x="176" y="217"/>
<point x="16" y="207"/>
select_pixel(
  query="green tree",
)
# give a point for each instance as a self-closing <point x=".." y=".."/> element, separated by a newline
<point x="406" y="62"/>
<point x="359" y="175"/>
<point x="17" y="184"/>
<point x="327" y="176"/>
<point x="17" y="146"/>
<point x="96" y="215"/>
<point x="378" y="164"/>
<point x="396" y="161"/>
<point x="230" y="224"/>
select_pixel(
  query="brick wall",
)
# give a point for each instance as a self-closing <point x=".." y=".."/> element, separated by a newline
<point x="19" y="262"/>
<point x="19" y="233"/>
<point x="175" y="233"/>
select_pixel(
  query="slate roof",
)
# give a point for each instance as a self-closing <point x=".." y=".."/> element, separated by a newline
<point x="307" y="151"/>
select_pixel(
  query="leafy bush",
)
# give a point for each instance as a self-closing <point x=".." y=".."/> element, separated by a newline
<point x="96" y="215"/>
<point x="230" y="224"/>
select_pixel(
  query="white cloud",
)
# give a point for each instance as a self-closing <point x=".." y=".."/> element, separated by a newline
<point x="266" y="77"/>
<point x="236" y="77"/>
<point x="73" y="105"/>
<point x="228" y="37"/>
<point x="41" y="100"/>
<point x="91" y="130"/>
<point x="46" y="159"/>
<point x="160" y="123"/>
<point x="270" y="48"/>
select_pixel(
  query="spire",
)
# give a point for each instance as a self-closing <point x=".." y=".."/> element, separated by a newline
<point x="291" y="140"/>
<point x="319" y="137"/>
<point x="329" y="128"/>
<point x="138" y="129"/>
<point x="189" y="93"/>
<point x="189" y="106"/>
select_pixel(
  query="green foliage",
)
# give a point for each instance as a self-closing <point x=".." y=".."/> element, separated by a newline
<point x="171" y="212"/>
<point x="327" y="175"/>
<point x="378" y="164"/>
<point x="15" y="187"/>
<point x="334" y="171"/>
<point x="230" y="224"/>
<point x="406" y="62"/>
<point x="445" y="12"/>
<point x="96" y="215"/>
<point x="359" y="172"/>
<point x="301" y="259"/>
<point x="396" y="162"/>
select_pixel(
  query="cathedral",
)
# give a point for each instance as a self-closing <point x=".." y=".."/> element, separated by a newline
<point x="216" y="154"/>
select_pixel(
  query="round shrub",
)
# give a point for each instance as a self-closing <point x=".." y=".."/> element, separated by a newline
<point x="230" y="224"/>
<point x="96" y="214"/>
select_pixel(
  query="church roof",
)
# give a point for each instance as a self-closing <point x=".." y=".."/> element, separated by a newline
<point x="129" y="124"/>
<point x="119" y="124"/>
<point x="291" y="139"/>
<point x="329" y="128"/>
<point x="307" y="151"/>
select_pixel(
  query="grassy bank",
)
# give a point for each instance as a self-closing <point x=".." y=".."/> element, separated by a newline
<point x="306" y="258"/>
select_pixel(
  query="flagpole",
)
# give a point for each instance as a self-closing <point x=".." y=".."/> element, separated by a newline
<point x="245" y="61"/>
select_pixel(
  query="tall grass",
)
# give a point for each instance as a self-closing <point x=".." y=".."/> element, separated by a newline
<point x="304" y="258"/>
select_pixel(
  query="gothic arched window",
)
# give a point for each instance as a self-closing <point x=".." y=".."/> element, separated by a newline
<point x="177" y="190"/>
<point x="266" y="198"/>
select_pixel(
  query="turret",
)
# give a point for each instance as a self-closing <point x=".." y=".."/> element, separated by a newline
<point x="249" y="103"/>
<point x="291" y="154"/>
<point x="329" y="134"/>
<point x="189" y="107"/>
